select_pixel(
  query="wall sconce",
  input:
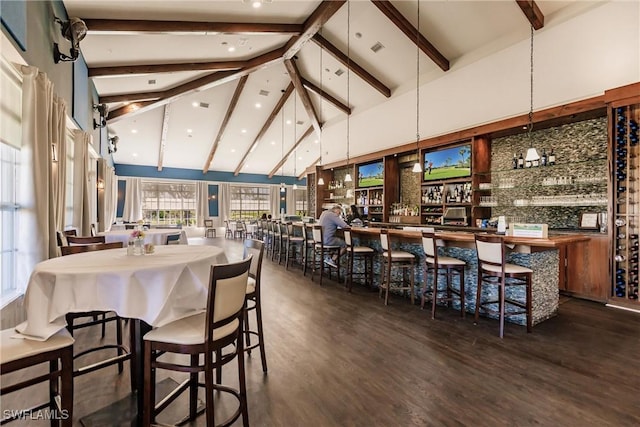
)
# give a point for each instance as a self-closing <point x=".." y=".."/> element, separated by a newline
<point x="213" y="197"/>
<point x="103" y="111"/>
<point x="282" y="187"/>
<point x="73" y="30"/>
<point x="100" y="184"/>
<point x="113" y="144"/>
<point x="54" y="153"/>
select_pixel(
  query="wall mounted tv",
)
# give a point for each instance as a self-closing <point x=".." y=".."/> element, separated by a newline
<point x="447" y="163"/>
<point x="371" y="174"/>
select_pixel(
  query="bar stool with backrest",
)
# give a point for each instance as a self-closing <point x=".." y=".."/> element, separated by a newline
<point x="294" y="245"/>
<point x="393" y="258"/>
<point x="436" y="264"/>
<point x="321" y="250"/>
<point x="268" y="237"/>
<point x="363" y="253"/>
<point x="308" y="246"/>
<point x="494" y="270"/>
<point x="255" y="248"/>
<point x="18" y="354"/>
<point x="276" y="244"/>
<point x="284" y="241"/>
<point x="123" y="353"/>
<point x="204" y="334"/>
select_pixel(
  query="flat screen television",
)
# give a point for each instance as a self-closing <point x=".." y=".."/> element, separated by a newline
<point x="447" y="163"/>
<point x="371" y="174"/>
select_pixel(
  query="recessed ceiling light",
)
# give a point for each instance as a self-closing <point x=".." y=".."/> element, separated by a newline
<point x="195" y="103"/>
<point x="134" y="130"/>
<point x="273" y="143"/>
<point x="189" y="130"/>
<point x="315" y="141"/>
<point x="135" y="154"/>
<point x="256" y="4"/>
<point x="243" y="131"/>
<point x="231" y="49"/>
<point x="233" y="150"/>
<point x="258" y="105"/>
<point x="288" y="122"/>
<point x="300" y="158"/>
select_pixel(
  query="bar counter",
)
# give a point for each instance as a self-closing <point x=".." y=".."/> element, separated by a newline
<point x="542" y="255"/>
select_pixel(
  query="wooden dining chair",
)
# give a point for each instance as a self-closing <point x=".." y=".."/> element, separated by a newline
<point x="84" y="240"/>
<point x="254" y="248"/>
<point x="20" y="354"/>
<point x="205" y="334"/>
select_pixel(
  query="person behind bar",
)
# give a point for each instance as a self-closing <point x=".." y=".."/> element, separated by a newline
<point x="353" y="214"/>
<point x="330" y="221"/>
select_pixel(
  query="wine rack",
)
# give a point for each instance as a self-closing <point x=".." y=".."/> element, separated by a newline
<point x="626" y="221"/>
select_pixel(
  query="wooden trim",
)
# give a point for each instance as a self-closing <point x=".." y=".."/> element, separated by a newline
<point x="353" y="66"/>
<point x="144" y="26"/>
<point x="323" y="94"/>
<point x="123" y="70"/>
<point x="410" y="31"/>
<point x="292" y="69"/>
<point x="291" y="150"/>
<point x="225" y="121"/>
<point x="283" y="99"/>
<point x="532" y="12"/>
<point x="163" y="135"/>
<point x="623" y="95"/>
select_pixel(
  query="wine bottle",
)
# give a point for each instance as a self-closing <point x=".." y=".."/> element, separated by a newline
<point x="552" y="158"/>
<point x="514" y="162"/>
<point x="520" y="161"/>
<point x="620" y="258"/>
<point x="543" y="159"/>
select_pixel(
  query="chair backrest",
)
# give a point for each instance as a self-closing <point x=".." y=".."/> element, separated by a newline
<point x="240" y="225"/>
<point x="429" y="247"/>
<point x="172" y="239"/>
<point x="70" y="250"/>
<point x="284" y="229"/>
<point x="94" y="232"/>
<point x="227" y="290"/>
<point x="130" y="226"/>
<point x="72" y="232"/>
<point x="84" y="240"/>
<point x="61" y="238"/>
<point x="490" y="250"/>
<point x="208" y="223"/>
<point x="317" y="234"/>
<point x="305" y="232"/>
<point x="347" y="238"/>
<point x="256" y="248"/>
<point x="384" y="239"/>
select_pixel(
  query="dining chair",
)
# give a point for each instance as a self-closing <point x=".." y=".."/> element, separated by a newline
<point x="204" y="334"/>
<point x="99" y="318"/>
<point x="255" y="249"/>
<point x="172" y="239"/>
<point x="94" y="232"/>
<point x="209" y="230"/>
<point x="84" y="240"/>
<point x="228" y="232"/>
<point x="19" y="354"/>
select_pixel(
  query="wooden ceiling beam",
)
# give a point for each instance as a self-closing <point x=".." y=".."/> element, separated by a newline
<point x="163" y="135"/>
<point x="208" y="81"/>
<point x="286" y="156"/>
<point x="292" y="69"/>
<point x="225" y="121"/>
<point x="274" y="113"/>
<point x="315" y="89"/>
<point x="410" y="31"/>
<point x="126" y="70"/>
<point x="532" y="12"/>
<point x="166" y="27"/>
<point x="129" y="108"/>
<point x="312" y="25"/>
<point x="130" y="97"/>
<point x="353" y="66"/>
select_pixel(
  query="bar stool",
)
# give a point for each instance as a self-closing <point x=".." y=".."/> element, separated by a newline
<point x="276" y="242"/>
<point x="322" y="250"/>
<point x="294" y="244"/>
<point x="284" y="242"/>
<point x="399" y="259"/>
<point x="435" y="264"/>
<point x="493" y="270"/>
<point x="308" y="246"/>
<point x="363" y="253"/>
<point x="255" y="248"/>
<point x="18" y="354"/>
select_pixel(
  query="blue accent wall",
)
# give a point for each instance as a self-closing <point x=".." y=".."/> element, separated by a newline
<point x="122" y="186"/>
<point x="81" y="107"/>
<point x="123" y="170"/>
<point x="13" y="15"/>
<point x="283" y="202"/>
<point x="213" y="201"/>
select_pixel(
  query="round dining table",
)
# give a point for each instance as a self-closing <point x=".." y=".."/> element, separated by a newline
<point x="157" y="236"/>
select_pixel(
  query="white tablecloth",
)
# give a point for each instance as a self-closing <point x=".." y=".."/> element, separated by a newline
<point x="159" y="288"/>
<point x="155" y="236"/>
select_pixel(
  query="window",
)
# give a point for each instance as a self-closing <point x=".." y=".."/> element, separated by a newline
<point x="300" y="200"/>
<point x="249" y="202"/>
<point x="69" y="196"/>
<point x="169" y="203"/>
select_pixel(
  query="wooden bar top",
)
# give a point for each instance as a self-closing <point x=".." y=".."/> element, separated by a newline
<point x="553" y="241"/>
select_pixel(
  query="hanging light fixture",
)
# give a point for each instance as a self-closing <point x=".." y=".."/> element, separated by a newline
<point x="320" y="179"/>
<point x="416" y="166"/>
<point x="347" y="177"/>
<point x="532" y="153"/>
<point x="282" y="187"/>
<point x="295" y="152"/>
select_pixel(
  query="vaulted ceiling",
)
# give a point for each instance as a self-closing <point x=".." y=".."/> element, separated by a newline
<point x="228" y="86"/>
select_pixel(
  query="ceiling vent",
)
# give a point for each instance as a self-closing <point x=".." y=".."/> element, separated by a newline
<point x="204" y="105"/>
<point x="377" y="47"/>
<point x="300" y="122"/>
<point x="152" y="81"/>
<point x="264" y="92"/>
<point x="339" y="72"/>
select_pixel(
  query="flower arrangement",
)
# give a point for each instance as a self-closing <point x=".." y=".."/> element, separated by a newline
<point x="137" y="234"/>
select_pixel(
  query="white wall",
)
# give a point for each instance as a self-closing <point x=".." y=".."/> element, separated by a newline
<point x="576" y="59"/>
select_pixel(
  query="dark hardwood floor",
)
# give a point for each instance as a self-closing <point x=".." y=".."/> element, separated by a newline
<point x="340" y="359"/>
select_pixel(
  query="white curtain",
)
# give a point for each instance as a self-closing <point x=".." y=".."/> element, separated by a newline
<point x="202" y="202"/>
<point x="110" y="196"/>
<point x="224" y="200"/>
<point x="132" y="200"/>
<point x="274" y="200"/>
<point x="81" y="197"/>
<point x="59" y="168"/>
<point x="291" y="201"/>
<point x="43" y="118"/>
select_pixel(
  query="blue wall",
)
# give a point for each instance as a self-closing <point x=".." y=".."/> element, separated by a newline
<point x="197" y="175"/>
<point x="14" y="18"/>
<point x="213" y="201"/>
<point x="122" y="186"/>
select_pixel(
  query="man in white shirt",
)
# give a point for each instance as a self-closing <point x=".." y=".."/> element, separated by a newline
<point x="330" y="221"/>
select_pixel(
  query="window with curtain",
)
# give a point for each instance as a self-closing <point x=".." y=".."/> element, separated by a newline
<point x="10" y="142"/>
<point x="249" y="202"/>
<point x="169" y="203"/>
<point x="300" y="197"/>
<point x="68" y="163"/>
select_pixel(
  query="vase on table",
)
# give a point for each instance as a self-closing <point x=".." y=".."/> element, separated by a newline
<point x="136" y="246"/>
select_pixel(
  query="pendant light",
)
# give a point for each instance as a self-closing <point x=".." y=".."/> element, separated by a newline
<point x="320" y="179"/>
<point x="532" y="153"/>
<point x="295" y="151"/>
<point x="417" y="167"/>
<point x="282" y="187"/>
<point x="347" y="177"/>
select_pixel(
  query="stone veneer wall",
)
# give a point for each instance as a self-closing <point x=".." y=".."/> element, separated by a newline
<point x="581" y="155"/>
<point x="409" y="187"/>
<point x="312" y="181"/>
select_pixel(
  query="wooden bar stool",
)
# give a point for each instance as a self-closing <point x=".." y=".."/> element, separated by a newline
<point x="321" y="250"/>
<point x="493" y="270"/>
<point x="277" y="242"/>
<point x="436" y="264"/>
<point x="255" y="248"/>
<point x="364" y="253"/>
<point x="294" y="244"/>
<point x="18" y="354"/>
<point x="399" y="259"/>
<point x="308" y="246"/>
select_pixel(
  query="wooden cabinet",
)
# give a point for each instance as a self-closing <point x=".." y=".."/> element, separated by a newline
<point x="586" y="273"/>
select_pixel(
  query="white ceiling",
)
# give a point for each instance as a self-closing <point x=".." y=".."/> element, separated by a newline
<point x="458" y="29"/>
